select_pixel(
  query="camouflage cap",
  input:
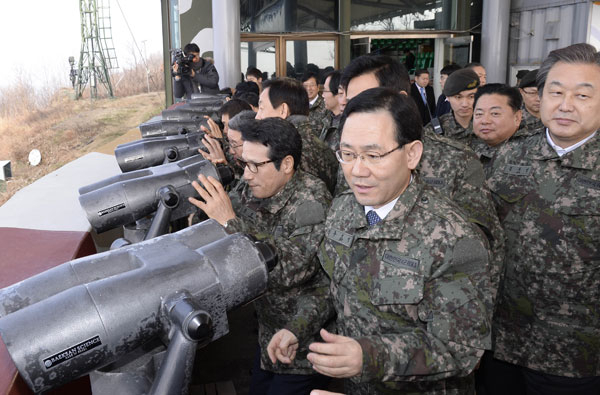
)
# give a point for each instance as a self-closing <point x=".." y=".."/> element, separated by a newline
<point x="460" y="80"/>
<point x="529" y="79"/>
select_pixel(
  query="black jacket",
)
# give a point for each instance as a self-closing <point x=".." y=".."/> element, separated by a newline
<point x="426" y="113"/>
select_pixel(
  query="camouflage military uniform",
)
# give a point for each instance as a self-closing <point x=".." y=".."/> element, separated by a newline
<point x="529" y="121"/>
<point x="317" y="158"/>
<point x="453" y="169"/>
<point x="413" y="290"/>
<point x="318" y="111"/>
<point x="293" y="221"/>
<point x="548" y="311"/>
<point x="453" y="129"/>
<point x="330" y="132"/>
<point x="486" y="153"/>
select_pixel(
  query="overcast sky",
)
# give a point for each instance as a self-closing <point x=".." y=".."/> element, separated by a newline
<point x="38" y="36"/>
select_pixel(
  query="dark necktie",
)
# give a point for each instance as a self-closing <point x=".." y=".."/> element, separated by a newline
<point x="373" y="218"/>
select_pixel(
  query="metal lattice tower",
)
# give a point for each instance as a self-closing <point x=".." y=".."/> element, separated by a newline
<point x="97" y="55"/>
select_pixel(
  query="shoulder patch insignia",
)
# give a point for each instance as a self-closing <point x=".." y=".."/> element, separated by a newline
<point x="517" y="170"/>
<point x="400" y="261"/>
<point x="340" y="237"/>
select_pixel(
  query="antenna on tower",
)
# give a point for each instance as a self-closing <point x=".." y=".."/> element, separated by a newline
<point x="98" y="54"/>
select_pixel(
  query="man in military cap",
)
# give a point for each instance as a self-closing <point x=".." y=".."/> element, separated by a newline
<point x="531" y="102"/>
<point x="408" y="272"/>
<point x="547" y="192"/>
<point x="286" y="98"/>
<point x="278" y="203"/>
<point x="460" y="88"/>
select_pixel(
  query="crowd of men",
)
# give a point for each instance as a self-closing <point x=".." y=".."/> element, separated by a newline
<point x="424" y="248"/>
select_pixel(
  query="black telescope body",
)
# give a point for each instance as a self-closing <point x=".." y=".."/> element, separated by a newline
<point x="165" y="127"/>
<point x="156" y="151"/>
<point x="90" y="312"/>
<point x="127" y="197"/>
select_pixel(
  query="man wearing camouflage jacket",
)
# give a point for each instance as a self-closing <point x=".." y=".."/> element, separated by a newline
<point x="547" y="192"/>
<point x="278" y="203"/>
<point x="409" y="279"/>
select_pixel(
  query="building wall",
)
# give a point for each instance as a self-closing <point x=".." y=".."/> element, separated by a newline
<point x="540" y="26"/>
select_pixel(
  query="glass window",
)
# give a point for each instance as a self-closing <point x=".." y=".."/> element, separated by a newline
<point x="398" y="15"/>
<point x="314" y="55"/>
<point x="259" y="54"/>
<point x="268" y="16"/>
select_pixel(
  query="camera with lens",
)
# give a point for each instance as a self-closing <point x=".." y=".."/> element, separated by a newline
<point x="184" y="63"/>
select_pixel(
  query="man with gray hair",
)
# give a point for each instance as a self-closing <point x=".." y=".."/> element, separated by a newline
<point x="547" y="192"/>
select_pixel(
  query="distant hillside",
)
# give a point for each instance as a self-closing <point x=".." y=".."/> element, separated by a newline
<point x="67" y="129"/>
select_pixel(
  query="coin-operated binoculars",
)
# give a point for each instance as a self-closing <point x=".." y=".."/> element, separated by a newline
<point x="93" y="312"/>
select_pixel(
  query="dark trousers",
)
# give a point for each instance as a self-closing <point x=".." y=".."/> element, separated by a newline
<point x="495" y="377"/>
<point x="264" y="382"/>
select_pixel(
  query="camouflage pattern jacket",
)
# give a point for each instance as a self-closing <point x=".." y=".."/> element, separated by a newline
<point x="330" y="132"/>
<point x="318" y="111"/>
<point x="317" y="158"/>
<point x="486" y="153"/>
<point x="293" y="221"/>
<point x="413" y="290"/>
<point x="548" y="312"/>
<point x="453" y="129"/>
<point x="529" y="121"/>
<point x="455" y="171"/>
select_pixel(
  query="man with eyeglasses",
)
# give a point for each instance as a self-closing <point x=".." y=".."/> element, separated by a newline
<point x="279" y="203"/>
<point x="531" y="102"/>
<point x="286" y="98"/>
<point x="408" y="272"/>
<point x="316" y="103"/>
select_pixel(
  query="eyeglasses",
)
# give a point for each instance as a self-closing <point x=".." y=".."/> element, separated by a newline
<point x="253" y="167"/>
<point x="368" y="157"/>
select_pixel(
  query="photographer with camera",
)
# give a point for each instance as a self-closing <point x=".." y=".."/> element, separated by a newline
<point x="192" y="73"/>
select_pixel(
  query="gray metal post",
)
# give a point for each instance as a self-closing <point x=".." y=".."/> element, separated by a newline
<point x="226" y="41"/>
<point x="495" y="26"/>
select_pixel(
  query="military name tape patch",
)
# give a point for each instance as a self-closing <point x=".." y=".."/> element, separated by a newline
<point x="435" y="181"/>
<point x="517" y="170"/>
<point x="340" y="237"/>
<point x="588" y="182"/>
<point x="400" y="261"/>
<point x="72" y="352"/>
<point x="112" y="209"/>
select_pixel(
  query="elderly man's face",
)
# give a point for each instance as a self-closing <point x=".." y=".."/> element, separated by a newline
<point x="570" y="102"/>
<point x="481" y="73"/>
<point x="311" y="87"/>
<point x="494" y="120"/>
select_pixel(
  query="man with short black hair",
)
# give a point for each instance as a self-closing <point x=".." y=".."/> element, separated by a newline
<point x="286" y="98"/>
<point x="423" y="95"/>
<point x="496" y="119"/>
<point x="531" y="102"/>
<point x="280" y="204"/>
<point x="447" y="165"/>
<point x="316" y="104"/>
<point x="203" y="75"/>
<point x="443" y="105"/>
<point x="255" y="75"/>
<point x="547" y="192"/>
<point x="408" y="272"/>
<point x="330" y="133"/>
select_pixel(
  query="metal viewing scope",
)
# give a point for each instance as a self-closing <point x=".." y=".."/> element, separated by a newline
<point x="128" y="197"/>
<point x="91" y="312"/>
<point x="155" y="151"/>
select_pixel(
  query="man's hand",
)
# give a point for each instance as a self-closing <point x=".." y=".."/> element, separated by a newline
<point x="215" y="152"/>
<point x="323" y="392"/>
<point x="339" y="356"/>
<point x="218" y="205"/>
<point x="215" y="130"/>
<point x="283" y="347"/>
